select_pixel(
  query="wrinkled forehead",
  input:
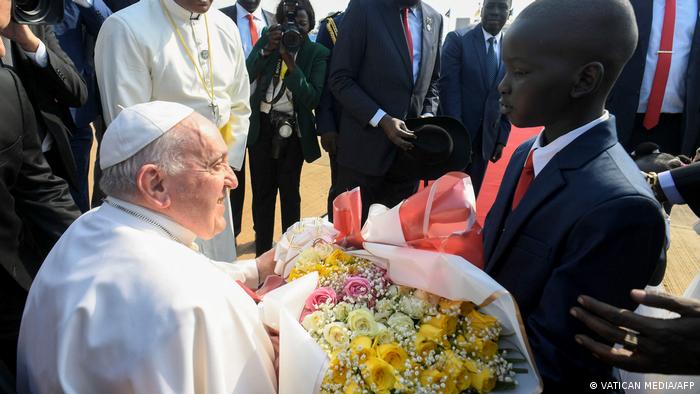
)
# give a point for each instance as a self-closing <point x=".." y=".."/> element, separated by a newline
<point x="201" y="138"/>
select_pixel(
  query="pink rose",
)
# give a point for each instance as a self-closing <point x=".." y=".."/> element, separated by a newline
<point x="356" y="286"/>
<point x="320" y="296"/>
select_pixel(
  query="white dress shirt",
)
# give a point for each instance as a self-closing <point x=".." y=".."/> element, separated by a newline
<point x="244" y="26"/>
<point x="544" y="154"/>
<point x="686" y="18"/>
<point x="139" y="58"/>
<point x="496" y="43"/>
<point x="120" y="306"/>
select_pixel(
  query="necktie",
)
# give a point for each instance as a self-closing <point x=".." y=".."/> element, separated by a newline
<point x="663" y="65"/>
<point x="526" y="177"/>
<point x="409" y="38"/>
<point x="253" y="31"/>
<point x="491" y="63"/>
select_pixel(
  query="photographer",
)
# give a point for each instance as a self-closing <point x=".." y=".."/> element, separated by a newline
<point x="289" y="71"/>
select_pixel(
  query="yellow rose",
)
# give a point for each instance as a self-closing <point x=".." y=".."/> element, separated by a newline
<point x="432" y="333"/>
<point x="361" y="322"/>
<point x="378" y="374"/>
<point x="447" y="306"/>
<point x="362" y="345"/>
<point x="453" y="364"/>
<point x="464" y="381"/>
<point x="467" y="308"/>
<point x="480" y="323"/>
<point x="482" y="348"/>
<point x="483" y="381"/>
<point x="336" y="372"/>
<point x="352" y="388"/>
<point x="424" y="345"/>
<point x="447" y="323"/>
<point x="394" y="355"/>
<point x="429" y="377"/>
<point x="336" y="335"/>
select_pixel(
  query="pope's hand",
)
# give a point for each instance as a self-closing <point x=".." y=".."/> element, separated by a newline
<point x="667" y="346"/>
<point x="266" y="264"/>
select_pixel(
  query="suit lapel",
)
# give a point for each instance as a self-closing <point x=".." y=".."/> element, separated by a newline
<point x="427" y="46"/>
<point x="480" y="50"/>
<point x="392" y="21"/>
<point x="546" y="183"/>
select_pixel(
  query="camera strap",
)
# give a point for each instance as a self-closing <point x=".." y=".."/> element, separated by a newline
<point x="279" y="74"/>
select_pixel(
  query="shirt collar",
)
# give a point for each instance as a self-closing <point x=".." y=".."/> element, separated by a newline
<point x="178" y="12"/>
<point x="242" y="13"/>
<point x="488" y="35"/>
<point x="182" y="235"/>
<point x="544" y="154"/>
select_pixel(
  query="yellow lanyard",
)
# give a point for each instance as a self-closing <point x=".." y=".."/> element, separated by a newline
<point x="213" y="106"/>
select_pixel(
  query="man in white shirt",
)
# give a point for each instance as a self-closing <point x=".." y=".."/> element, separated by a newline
<point x="125" y="302"/>
<point x="185" y="52"/>
<point x="251" y="20"/>
<point x="657" y="97"/>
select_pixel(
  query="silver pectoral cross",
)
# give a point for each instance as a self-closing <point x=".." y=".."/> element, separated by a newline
<point x="215" y="111"/>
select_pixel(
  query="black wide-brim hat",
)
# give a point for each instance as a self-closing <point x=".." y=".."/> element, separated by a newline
<point x="442" y="145"/>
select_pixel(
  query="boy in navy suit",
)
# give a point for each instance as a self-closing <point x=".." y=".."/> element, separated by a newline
<point x="573" y="214"/>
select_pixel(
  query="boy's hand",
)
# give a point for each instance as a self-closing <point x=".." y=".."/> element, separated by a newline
<point x="667" y="346"/>
<point x="397" y="132"/>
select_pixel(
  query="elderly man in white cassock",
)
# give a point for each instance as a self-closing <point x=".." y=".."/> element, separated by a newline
<point x="125" y="303"/>
<point x="186" y="52"/>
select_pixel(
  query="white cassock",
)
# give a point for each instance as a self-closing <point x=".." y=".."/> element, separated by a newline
<point x="119" y="306"/>
<point x="139" y="58"/>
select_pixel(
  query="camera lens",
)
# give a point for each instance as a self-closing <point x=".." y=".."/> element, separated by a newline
<point x="37" y="11"/>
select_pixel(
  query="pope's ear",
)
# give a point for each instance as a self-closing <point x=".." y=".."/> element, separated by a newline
<point x="150" y="186"/>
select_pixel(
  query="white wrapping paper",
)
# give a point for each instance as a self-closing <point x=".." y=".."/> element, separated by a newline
<point x="303" y="363"/>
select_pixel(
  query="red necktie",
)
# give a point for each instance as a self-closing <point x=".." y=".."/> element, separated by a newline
<point x="525" y="180"/>
<point x="409" y="38"/>
<point x="253" y="31"/>
<point x="663" y="65"/>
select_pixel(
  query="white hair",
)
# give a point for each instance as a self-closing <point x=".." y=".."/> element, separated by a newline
<point x="166" y="152"/>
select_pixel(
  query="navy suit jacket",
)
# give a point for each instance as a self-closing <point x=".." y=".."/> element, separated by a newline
<point x="77" y="34"/>
<point x="464" y="92"/>
<point x="624" y="99"/>
<point x="328" y="110"/>
<point x="687" y="182"/>
<point x="371" y="70"/>
<point x="588" y="224"/>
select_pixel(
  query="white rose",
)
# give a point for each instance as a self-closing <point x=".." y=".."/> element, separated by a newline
<point x="384" y="335"/>
<point x="341" y="310"/>
<point x="361" y="322"/>
<point x="337" y="335"/>
<point x="401" y="322"/>
<point x="314" y="322"/>
<point x="385" y="308"/>
<point x="413" y="306"/>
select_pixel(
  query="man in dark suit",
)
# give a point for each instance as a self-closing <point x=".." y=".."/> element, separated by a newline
<point x="77" y="33"/>
<point x="573" y="214"/>
<point x="657" y="97"/>
<point x="35" y="206"/>
<point x="385" y="69"/>
<point x="328" y="110"/>
<point x="251" y="20"/>
<point x="53" y="85"/>
<point x="471" y="69"/>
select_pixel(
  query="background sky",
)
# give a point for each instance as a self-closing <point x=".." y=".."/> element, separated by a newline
<point x="458" y="8"/>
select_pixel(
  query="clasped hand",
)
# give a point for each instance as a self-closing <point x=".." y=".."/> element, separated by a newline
<point x="397" y="132"/>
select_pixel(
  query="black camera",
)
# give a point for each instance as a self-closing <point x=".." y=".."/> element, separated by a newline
<point x="35" y="12"/>
<point x="292" y="39"/>
<point x="283" y="126"/>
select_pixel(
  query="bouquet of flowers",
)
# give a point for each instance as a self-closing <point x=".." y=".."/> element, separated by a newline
<point x="406" y="313"/>
<point x="381" y="337"/>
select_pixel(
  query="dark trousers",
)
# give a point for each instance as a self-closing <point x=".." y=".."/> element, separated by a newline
<point x="389" y="189"/>
<point x="668" y="134"/>
<point x="12" y="299"/>
<point x="477" y="167"/>
<point x="267" y="176"/>
<point x="237" y="197"/>
<point x="332" y="191"/>
<point x="80" y="144"/>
